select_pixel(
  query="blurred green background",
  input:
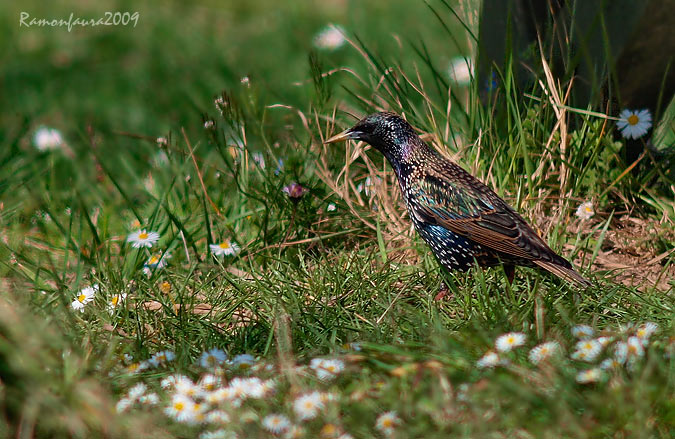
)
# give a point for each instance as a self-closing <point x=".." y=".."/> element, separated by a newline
<point x="153" y="77"/>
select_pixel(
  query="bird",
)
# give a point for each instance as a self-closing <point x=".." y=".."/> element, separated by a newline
<point x="460" y="218"/>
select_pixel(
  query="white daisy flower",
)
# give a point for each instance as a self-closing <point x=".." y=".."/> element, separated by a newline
<point x="243" y="361"/>
<point x="461" y="70"/>
<point x="47" y="139"/>
<point x="276" y="423"/>
<point x="116" y="300"/>
<point x="149" y="399"/>
<point x="84" y="297"/>
<point x="331" y="207"/>
<point x="225" y="248"/>
<point x="330" y="38"/>
<point x="181" y="408"/>
<point x="308" y="406"/>
<point x="646" y="330"/>
<point x="604" y="341"/>
<point x="123" y="405"/>
<point x="137" y="391"/>
<point x="610" y="364"/>
<point x="634" y="123"/>
<point x="635" y="347"/>
<point x="209" y="382"/>
<point x="326" y="369"/>
<point x="387" y="422"/>
<point x="212" y="358"/>
<point x="621" y="352"/>
<point x="161" y="358"/>
<point x="142" y="238"/>
<point x="582" y="331"/>
<point x="585" y="212"/>
<point x="543" y="351"/>
<point x="587" y="350"/>
<point x="217" y="417"/>
<point x="589" y="376"/>
<point x="489" y="360"/>
<point x="218" y="434"/>
<point x="185" y="386"/>
<point x="506" y="342"/>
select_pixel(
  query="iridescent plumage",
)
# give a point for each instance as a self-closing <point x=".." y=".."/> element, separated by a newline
<point x="460" y="218"/>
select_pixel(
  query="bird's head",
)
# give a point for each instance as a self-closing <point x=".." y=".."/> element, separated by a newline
<point x="387" y="132"/>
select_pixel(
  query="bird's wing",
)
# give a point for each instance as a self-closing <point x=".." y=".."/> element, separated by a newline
<point x="467" y="207"/>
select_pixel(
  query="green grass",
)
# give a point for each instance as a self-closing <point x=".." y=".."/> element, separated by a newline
<point x="351" y="283"/>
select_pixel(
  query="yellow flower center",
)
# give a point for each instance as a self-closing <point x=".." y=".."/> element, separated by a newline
<point x="179" y="406"/>
<point x="81" y="298"/>
<point x="632" y="349"/>
<point x="165" y="287"/>
<point x="153" y="260"/>
<point x="387" y="422"/>
<point x="224" y="245"/>
<point x="329" y="430"/>
<point x="309" y="405"/>
<point x="143" y="235"/>
<point x="633" y="119"/>
<point x="115" y="300"/>
<point x="511" y="340"/>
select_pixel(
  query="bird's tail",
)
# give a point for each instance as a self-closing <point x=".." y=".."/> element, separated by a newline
<point x="565" y="273"/>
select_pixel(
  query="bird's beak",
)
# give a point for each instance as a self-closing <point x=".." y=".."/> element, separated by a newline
<point x="345" y="135"/>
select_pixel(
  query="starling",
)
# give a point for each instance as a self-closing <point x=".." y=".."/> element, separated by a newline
<point x="462" y="220"/>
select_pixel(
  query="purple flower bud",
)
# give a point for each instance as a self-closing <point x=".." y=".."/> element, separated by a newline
<point x="295" y="190"/>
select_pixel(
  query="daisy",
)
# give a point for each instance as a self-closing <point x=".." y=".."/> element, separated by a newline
<point x="114" y="301"/>
<point x="276" y="424"/>
<point x="506" y="342"/>
<point x="217" y="417"/>
<point x="543" y="351"/>
<point x="646" y="330"/>
<point x="225" y="248"/>
<point x="326" y="369"/>
<point x="330" y="37"/>
<point x="331" y="207"/>
<point x="149" y="399"/>
<point x="212" y="358"/>
<point x="181" y="408"/>
<point x="209" y="382"/>
<point x="156" y="262"/>
<point x="243" y="361"/>
<point x="461" y="70"/>
<point x="47" y="139"/>
<point x="137" y="391"/>
<point x="185" y="386"/>
<point x="489" y="360"/>
<point x="589" y="376"/>
<point x="604" y="341"/>
<point x="582" y="331"/>
<point x="218" y="434"/>
<point x="387" y="422"/>
<point x="587" y="350"/>
<point x="621" y="352"/>
<point x="610" y="364"/>
<point x="142" y="238"/>
<point x="161" y="358"/>
<point x="585" y="211"/>
<point x="635" y="348"/>
<point x="634" y="123"/>
<point x="84" y="297"/>
<point x="308" y="406"/>
<point x="329" y="431"/>
<point x="123" y="405"/>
